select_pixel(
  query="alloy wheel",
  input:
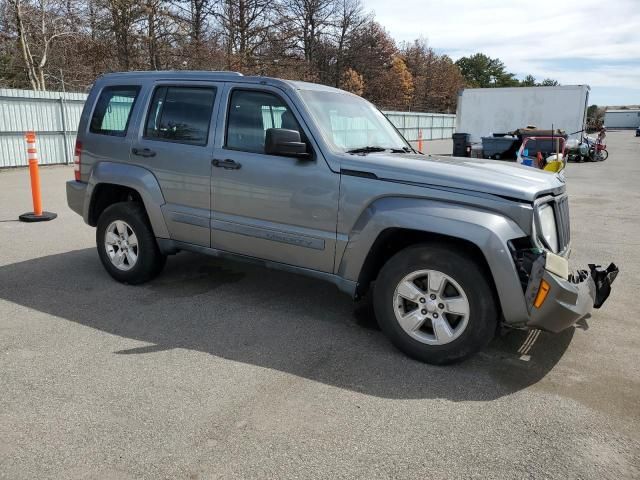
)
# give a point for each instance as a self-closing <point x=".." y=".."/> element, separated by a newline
<point x="121" y="244"/>
<point x="431" y="307"/>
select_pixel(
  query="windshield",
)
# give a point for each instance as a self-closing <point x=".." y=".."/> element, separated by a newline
<point x="351" y="123"/>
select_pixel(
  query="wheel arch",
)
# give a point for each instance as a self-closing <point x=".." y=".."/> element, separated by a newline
<point x="112" y="182"/>
<point x="106" y="194"/>
<point x="392" y="240"/>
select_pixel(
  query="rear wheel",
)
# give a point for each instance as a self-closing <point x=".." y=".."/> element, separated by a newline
<point x="435" y="304"/>
<point x="126" y="244"/>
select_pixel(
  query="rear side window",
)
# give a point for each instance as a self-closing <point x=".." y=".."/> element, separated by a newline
<point x="180" y="114"/>
<point x="113" y="110"/>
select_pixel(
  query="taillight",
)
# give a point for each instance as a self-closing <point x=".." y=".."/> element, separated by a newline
<point x="77" y="153"/>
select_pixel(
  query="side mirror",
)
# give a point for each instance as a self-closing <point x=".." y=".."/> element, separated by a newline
<point x="280" y="141"/>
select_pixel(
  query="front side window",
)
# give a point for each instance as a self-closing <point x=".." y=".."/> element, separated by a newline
<point x="251" y="114"/>
<point x="349" y="122"/>
<point x="113" y="110"/>
<point x="180" y="114"/>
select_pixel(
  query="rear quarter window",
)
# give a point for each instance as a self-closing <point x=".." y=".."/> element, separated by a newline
<point x="113" y="109"/>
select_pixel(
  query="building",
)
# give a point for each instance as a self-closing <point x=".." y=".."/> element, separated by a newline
<point x="625" y="118"/>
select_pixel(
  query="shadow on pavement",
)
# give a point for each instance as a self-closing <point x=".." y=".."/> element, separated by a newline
<point x="269" y="319"/>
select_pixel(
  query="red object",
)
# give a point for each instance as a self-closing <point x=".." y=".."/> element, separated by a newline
<point x="77" y="155"/>
<point x="420" y="140"/>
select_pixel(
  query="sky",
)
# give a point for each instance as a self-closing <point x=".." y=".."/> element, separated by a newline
<point x="575" y="42"/>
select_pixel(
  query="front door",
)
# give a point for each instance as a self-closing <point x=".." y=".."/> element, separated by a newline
<point x="175" y="142"/>
<point x="271" y="207"/>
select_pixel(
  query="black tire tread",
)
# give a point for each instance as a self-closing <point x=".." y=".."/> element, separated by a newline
<point x="467" y="271"/>
<point x="150" y="260"/>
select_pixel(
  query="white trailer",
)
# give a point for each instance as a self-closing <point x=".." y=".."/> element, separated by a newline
<point x="627" y="118"/>
<point x="483" y="111"/>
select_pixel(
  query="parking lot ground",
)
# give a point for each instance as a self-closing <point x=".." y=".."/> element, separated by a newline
<point x="223" y="370"/>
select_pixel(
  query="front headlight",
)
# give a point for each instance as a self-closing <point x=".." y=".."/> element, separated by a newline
<point x="548" y="231"/>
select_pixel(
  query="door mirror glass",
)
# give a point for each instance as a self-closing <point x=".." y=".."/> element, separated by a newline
<point x="284" y="142"/>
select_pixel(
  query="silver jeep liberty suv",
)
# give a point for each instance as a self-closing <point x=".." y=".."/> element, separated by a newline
<point x="315" y="180"/>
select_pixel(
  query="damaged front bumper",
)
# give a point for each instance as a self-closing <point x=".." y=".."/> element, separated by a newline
<point x="557" y="299"/>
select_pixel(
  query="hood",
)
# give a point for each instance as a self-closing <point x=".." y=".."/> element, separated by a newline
<point x="495" y="177"/>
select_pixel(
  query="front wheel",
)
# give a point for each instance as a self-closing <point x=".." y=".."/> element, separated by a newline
<point x="126" y="244"/>
<point x="435" y="304"/>
<point x="602" y="155"/>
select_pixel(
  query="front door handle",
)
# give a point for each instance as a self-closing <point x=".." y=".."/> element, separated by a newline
<point x="143" y="152"/>
<point x="226" y="164"/>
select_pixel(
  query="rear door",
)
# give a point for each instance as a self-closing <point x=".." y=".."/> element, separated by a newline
<point x="107" y="129"/>
<point x="268" y="206"/>
<point x="174" y="141"/>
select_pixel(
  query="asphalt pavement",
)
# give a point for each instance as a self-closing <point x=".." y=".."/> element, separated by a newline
<point x="224" y="370"/>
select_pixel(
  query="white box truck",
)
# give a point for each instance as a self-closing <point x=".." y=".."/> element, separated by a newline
<point x="484" y="111"/>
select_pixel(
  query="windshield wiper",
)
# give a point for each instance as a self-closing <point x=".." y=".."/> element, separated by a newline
<point x="370" y="149"/>
<point x="366" y="150"/>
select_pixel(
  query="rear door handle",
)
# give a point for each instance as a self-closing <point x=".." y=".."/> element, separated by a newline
<point x="144" y="152"/>
<point x="226" y="164"/>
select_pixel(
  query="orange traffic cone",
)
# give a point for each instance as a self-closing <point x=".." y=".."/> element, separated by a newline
<point x="32" y="154"/>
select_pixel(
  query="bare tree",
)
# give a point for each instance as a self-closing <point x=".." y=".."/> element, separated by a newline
<point x="349" y="18"/>
<point x="245" y="25"/>
<point x="199" y="10"/>
<point x="310" y="19"/>
<point x="37" y="28"/>
<point x="160" y="28"/>
<point x="124" y="15"/>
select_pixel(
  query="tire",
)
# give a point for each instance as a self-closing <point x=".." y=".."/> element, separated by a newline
<point x="604" y="154"/>
<point x="125" y="262"/>
<point x="469" y="282"/>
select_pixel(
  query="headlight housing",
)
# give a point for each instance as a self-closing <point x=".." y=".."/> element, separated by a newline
<point x="547" y="223"/>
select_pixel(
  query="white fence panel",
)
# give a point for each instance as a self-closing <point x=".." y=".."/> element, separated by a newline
<point x="54" y="116"/>
<point x="434" y="126"/>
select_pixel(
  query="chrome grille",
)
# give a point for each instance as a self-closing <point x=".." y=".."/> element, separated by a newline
<point x="563" y="222"/>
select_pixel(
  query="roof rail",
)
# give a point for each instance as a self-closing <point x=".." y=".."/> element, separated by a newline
<point x="222" y="72"/>
<point x="152" y="72"/>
